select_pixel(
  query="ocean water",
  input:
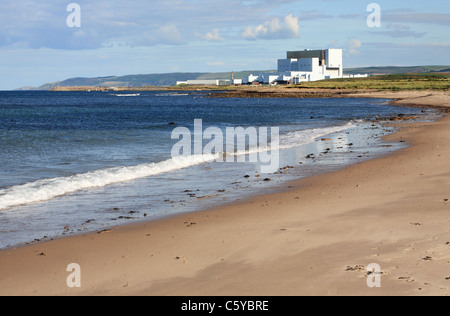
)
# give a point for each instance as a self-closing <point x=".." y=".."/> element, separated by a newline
<point x="74" y="162"/>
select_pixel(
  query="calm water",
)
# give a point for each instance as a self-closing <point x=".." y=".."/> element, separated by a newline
<point x="74" y="161"/>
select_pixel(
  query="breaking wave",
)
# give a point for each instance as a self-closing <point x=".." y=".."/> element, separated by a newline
<point x="47" y="189"/>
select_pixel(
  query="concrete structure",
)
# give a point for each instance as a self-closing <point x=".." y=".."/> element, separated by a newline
<point x="356" y="76"/>
<point x="237" y="82"/>
<point x="214" y="82"/>
<point x="307" y="65"/>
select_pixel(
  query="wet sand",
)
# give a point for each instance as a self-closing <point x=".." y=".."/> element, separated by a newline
<point x="316" y="238"/>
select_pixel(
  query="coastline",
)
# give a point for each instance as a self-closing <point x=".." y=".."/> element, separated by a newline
<point x="436" y="99"/>
<point x="310" y="240"/>
<point x="424" y="98"/>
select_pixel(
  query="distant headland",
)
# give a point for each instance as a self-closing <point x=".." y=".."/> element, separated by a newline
<point x="157" y="81"/>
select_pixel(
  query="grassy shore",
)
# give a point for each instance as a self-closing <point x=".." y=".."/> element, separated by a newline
<point x="384" y="83"/>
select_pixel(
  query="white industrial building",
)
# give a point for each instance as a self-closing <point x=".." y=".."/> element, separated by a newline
<point x="213" y="82"/>
<point x="307" y="65"/>
<point x="356" y="76"/>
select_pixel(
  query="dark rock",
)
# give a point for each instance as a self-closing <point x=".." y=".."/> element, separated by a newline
<point x="105" y="231"/>
<point x="356" y="268"/>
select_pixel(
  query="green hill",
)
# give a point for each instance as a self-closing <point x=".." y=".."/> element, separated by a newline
<point x="136" y="81"/>
<point x="397" y="70"/>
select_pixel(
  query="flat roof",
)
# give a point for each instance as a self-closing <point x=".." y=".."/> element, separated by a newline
<point x="306" y="54"/>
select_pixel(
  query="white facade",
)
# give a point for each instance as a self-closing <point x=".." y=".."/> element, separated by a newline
<point x="214" y="82"/>
<point x="309" y="66"/>
<point x="356" y="76"/>
<point x="251" y="79"/>
<point x="334" y="62"/>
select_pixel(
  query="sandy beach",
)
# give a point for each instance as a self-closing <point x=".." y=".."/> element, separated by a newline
<point x="315" y="238"/>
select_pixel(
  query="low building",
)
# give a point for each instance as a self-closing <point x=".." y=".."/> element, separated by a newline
<point x="356" y="76"/>
<point x="214" y="82"/>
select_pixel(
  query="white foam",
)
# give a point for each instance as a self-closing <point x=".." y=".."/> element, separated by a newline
<point x="128" y="95"/>
<point x="47" y="189"/>
<point x="172" y="94"/>
<point x="297" y="138"/>
<point x="43" y="190"/>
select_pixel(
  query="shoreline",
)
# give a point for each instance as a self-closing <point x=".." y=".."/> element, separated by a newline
<point x="435" y="99"/>
<point x="439" y="100"/>
<point x="282" y="179"/>
<point x="228" y="250"/>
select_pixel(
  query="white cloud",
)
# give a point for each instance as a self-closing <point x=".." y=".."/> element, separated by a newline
<point x="42" y="24"/>
<point x="215" y="63"/>
<point x="353" y="46"/>
<point x="167" y="34"/>
<point x="170" y="34"/>
<point x="213" y="36"/>
<point x="399" y="31"/>
<point x="419" y="17"/>
<point x="273" y="29"/>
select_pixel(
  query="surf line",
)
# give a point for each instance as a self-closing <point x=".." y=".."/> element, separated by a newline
<point x="230" y="147"/>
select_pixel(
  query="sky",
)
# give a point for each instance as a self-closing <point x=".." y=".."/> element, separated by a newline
<point x="41" y="41"/>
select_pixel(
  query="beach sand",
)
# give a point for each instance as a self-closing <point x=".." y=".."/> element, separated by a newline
<point x="430" y="99"/>
<point x="316" y="238"/>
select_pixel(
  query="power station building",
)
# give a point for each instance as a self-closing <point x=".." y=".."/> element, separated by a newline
<point x="307" y="65"/>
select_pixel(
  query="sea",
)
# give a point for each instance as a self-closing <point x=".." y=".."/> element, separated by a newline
<point x="78" y="162"/>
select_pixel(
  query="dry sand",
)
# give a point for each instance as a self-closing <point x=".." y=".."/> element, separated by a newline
<point x="434" y="99"/>
<point x="314" y="239"/>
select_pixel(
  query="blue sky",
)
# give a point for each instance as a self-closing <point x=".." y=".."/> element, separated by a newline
<point x="159" y="36"/>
